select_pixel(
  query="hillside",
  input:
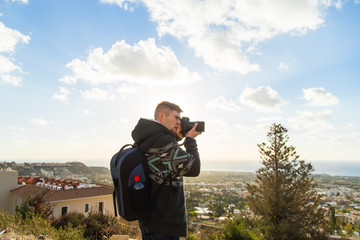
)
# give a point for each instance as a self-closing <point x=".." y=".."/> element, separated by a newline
<point x="73" y="170"/>
<point x="79" y="171"/>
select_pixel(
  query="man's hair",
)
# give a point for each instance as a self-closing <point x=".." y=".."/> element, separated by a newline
<point x="166" y="107"/>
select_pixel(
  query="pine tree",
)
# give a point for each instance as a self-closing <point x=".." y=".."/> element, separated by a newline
<point x="283" y="196"/>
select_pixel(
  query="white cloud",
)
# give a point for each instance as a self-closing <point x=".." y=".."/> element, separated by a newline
<point x="126" y="89"/>
<point x="6" y="67"/>
<point x="218" y="129"/>
<point x="62" y="95"/>
<point x="11" y="79"/>
<point x="143" y="62"/>
<point x="17" y="128"/>
<point x="124" y="121"/>
<point x="262" y="124"/>
<point x="22" y="1"/>
<point x="9" y="38"/>
<point x="315" y="123"/>
<point x="319" y="97"/>
<point x="219" y="122"/>
<point x="271" y="120"/>
<point x="17" y="131"/>
<point x="96" y="94"/>
<point x="255" y="127"/>
<point x="87" y="112"/>
<point x="69" y="80"/>
<point x="221" y="54"/>
<point x="221" y="31"/>
<point x="336" y="3"/>
<point x="39" y="122"/>
<point x="283" y="66"/>
<point x="222" y="103"/>
<point x="120" y="121"/>
<point x="121" y="3"/>
<point x="339" y="4"/>
<point x="263" y="99"/>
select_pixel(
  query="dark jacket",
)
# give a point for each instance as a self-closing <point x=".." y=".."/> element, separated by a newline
<point x="167" y="162"/>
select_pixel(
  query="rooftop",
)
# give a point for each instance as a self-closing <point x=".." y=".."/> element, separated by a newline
<point x="60" y="195"/>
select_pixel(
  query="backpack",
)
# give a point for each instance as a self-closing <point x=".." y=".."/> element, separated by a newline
<point x="131" y="181"/>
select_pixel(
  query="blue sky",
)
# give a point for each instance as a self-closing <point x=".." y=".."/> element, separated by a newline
<point x="76" y="76"/>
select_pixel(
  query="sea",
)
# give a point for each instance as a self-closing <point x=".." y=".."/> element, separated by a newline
<point x="334" y="168"/>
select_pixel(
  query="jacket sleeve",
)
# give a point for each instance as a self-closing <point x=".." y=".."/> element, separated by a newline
<point x="187" y="163"/>
<point x="191" y="149"/>
<point x="166" y="155"/>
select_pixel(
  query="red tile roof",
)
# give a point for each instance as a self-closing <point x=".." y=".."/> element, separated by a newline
<point x="61" y="195"/>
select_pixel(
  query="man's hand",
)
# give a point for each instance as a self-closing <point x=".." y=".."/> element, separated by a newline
<point x="193" y="133"/>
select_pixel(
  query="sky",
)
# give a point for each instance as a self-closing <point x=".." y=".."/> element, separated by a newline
<point x="76" y="76"/>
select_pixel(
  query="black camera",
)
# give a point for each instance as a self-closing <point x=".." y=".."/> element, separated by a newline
<point x="186" y="125"/>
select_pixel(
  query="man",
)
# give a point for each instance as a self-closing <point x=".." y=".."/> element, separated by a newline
<point x="167" y="164"/>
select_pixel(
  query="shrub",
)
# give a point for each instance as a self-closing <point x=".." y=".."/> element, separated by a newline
<point x="99" y="225"/>
<point x="75" y="219"/>
<point x="239" y="229"/>
<point x="31" y="224"/>
<point x="35" y="205"/>
<point x="6" y="219"/>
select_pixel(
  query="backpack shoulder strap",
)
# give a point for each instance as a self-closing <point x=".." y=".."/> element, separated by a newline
<point x="147" y="142"/>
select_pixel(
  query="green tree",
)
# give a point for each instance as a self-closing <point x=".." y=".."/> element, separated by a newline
<point x="240" y="229"/>
<point x="36" y="205"/>
<point x="218" y="207"/>
<point x="333" y="224"/>
<point x="283" y="195"/>
<point x="349" y="230"/>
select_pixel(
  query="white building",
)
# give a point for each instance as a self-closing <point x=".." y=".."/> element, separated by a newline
<point x="80" y="197"/>
<point x="8" y="181"/>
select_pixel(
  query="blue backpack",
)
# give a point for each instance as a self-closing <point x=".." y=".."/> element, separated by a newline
<point x="129" y="173"/>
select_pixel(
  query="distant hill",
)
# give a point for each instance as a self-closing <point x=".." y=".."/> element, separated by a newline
<point x="73" y="170"/>
<point x="102" y="170"/>
<point x="79" y="171"/>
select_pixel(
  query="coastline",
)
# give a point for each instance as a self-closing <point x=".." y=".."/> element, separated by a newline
<point x="333" y="168"/>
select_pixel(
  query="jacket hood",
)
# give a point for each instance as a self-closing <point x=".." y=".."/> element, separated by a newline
<point x="147" y="127"/>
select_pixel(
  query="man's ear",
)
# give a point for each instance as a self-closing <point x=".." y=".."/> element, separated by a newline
<point x="161" y="117"/>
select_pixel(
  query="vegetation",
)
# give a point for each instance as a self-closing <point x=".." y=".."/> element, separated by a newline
<point x="283" y="196"/>
<point x="36" y="205"/>
<point x="283" y="202"/>
<point x="37" y="226"/>
<point x="33" y="219"/>
<point x="240" y="229"/>
<point x="74" y="219"/>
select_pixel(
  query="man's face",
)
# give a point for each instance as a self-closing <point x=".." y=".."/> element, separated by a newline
<point x="171" y="121"/>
